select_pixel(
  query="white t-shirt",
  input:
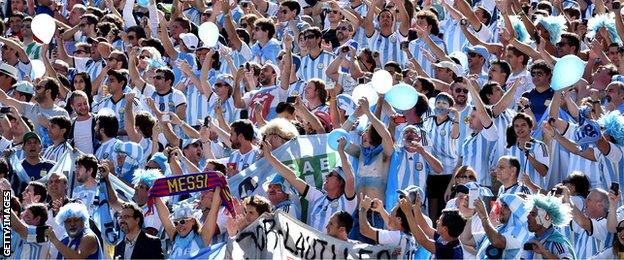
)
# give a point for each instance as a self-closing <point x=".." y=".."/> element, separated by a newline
<point x="83" y="136"/>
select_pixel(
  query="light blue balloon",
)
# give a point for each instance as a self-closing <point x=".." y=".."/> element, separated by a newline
<point x="568" y="70"/>
<point x="334" y="135"/>
<point x="402" y="96"/>
<point x="143" y="3"/>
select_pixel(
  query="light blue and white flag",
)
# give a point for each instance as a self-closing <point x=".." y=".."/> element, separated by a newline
<point x="66" y="164"/>
<point x="216" y="251"/>
<point x="309" y="156"/>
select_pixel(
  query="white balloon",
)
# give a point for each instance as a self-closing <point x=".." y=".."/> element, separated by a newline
<point x="365" y="91"/>
<point x="43" y="27"/>
<point x="38" y="69"/>
<point x="209" y="34"/>
<point x="382" y="81"/>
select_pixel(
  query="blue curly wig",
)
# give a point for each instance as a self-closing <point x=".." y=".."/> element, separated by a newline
<point x="146" y="176"/>
<point x="560" y="213"/>
<point x="555" y="25"/>
<point x="521" y="32"/>
<point x="600" y="21"/>
<point x="613" y="124"/>
<point x="73" y="210"/>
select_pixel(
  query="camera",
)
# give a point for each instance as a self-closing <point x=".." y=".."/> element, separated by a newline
<point x="404" y="45"/>
<point x="615" y="187"/>
<point x="5" y="110"/>
<point x="528" y="246"/>
<point x="528" y="145"/>
<point x="345" y="49"/>
<point x="616" y="5"/>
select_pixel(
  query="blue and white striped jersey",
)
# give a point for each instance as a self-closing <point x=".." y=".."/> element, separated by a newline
<point x="119" y="107"/>
<point x="562" y="249"/>
<point x="389" y="47"/>
<point x="477" y="153"/>
<point x="230" y="111"/>
<point x="502" y="121"/>
<point x="444" y="147"/>
<point x="517" y="188"/>
<point x="54" y="152"/>
<point x="92" y="67"/>
<point x="415" y="47"/>
<point x="31" y="250"/>
<point x="588" y="244"/>
<point x="106" y="151"/>
<point x="321" y="208"/>
<point x="612" y="164"/>
<point x="268" y="52"/>
<point x="413" y="169"/>
<point x="540" y="152"/>
<point x="244" y="160"/>
<point x="167" y="102"/>
<point x="192" y="14"/>
<point x="397" y="239"/>
<point x="239" y="57"/>
<point x="315" y="67"/>
<point x="289" y="208"/>
<point x="196" y="103"/>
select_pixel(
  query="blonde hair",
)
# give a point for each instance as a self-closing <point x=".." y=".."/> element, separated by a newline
<point x="280" y="127"/>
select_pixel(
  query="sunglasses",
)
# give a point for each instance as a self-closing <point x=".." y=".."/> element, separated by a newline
<point x="111" y="59"/>
<point x="537" y="74"/>
<point x="335" y="11"/>
<point x="342" y="28"/>
<point x="80" y="51"/>
<point x="158" y="77"/>
<point x="560" y="44"/>
<point x="460" y="90"/>
<point x="180" y="222"/>
<point x="142" y="57"/>
<point x="243" y="25"/>
<point x="461" y="176"/>
<point x="619" y="229"/>
<point x="472" y="54"/>
<point x="310" y="36"/>
<point x="131" y="37"/>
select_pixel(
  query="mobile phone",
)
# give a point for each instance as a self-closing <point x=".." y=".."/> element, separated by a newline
<point x="615" y="187"/>
<point x="244" y="114"/>
<point x="463" y="22"/>
<point x="245" y="4"/>
<point x="528" y="145"/>
<point x="404" y="45"/>
<point x="361" y="80"/>
<point x="558" y="191"/>
<point x="291" y="99"/>
<point x="528" y="246"/>
<point x="247" y="66"/>
<point x="166" y="118"/>
<point x="345" y="49"/>
<point x="375" y="54"/>
<point x="5" y="110"/>
<point x="533" y="5"/>
<point x="207" y="120"/>
<point x="616" y="5"/>
<point x="400" y="119"/>
<point x="473" y="194"/>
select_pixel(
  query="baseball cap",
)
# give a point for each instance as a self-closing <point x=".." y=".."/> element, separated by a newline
<point x="187" y="142"/>
<point x="9" y="70"/>
<point x="346" y="103"/>
<point x="275" y="68"/>
<point x="448" y="65"/>
<point x="190" y="40"/>
<point x="30" y="135"/>
<point x="225" y="78"/>
<point x="478" y="49"/>
<point x="338" y="170"/>
<point x="410" y="192"/>
<point x="24" y="87"/>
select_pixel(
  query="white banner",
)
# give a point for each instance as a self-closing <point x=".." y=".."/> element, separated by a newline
<point x="279" y="236"/>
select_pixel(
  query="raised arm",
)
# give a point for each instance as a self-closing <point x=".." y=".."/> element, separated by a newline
<point x="415" y="229"/>
<point x="9" y="101"/>
<point x="163" y="214"/>
<point x="365" y="228"/>
<point x="507" y="98"/>
<point x="135" y="77"/>
<point x="133" y="134"/>
<point x="167" y="44"/>
<point x="287" y="59"/>
<point x="210" y="226"/>
<point x="496" y="239"/>
<point x="484" y="117"/>
<point x="282" y="169"/>
<point x="369" y="28"/>
<point x="387" y="140"/>
<point x="18" y="225"/>
<point x="236" y="94"/>
<point x="230" y="29"/>
<point x="346" y="167"/>
<point x="21" y="53"/>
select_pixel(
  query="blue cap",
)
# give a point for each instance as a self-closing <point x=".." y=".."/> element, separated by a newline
<point x="411" y="191"/>
<point x="187" y="142"/>
<point x="478" y="49"/>
<point x="338" y="170"/>
<point x="24" y="87"/>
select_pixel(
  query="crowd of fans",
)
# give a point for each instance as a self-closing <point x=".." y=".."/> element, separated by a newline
<point x="491" y="162"/>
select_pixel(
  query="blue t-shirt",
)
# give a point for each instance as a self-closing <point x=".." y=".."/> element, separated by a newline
<point x="37" y="171"/>
<point x="539" y="101"/>
<point x="450" y="250"/>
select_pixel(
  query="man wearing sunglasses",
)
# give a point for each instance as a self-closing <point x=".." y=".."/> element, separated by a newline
<point x="541" y="96"/>
<point x="316" y="62"/>
<point x="266" y="47"/>
<point x="478" y="57"/>
<point x="136" y="243"/>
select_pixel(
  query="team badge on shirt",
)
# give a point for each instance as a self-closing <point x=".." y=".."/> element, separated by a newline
<point x="334" y="204"/>
<point x="443" y="132"/>
<point x="419" y="166"/>
<point x="320" y="66"/>
<point x="547" y="102"/>
<point x="43" y="173"/>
